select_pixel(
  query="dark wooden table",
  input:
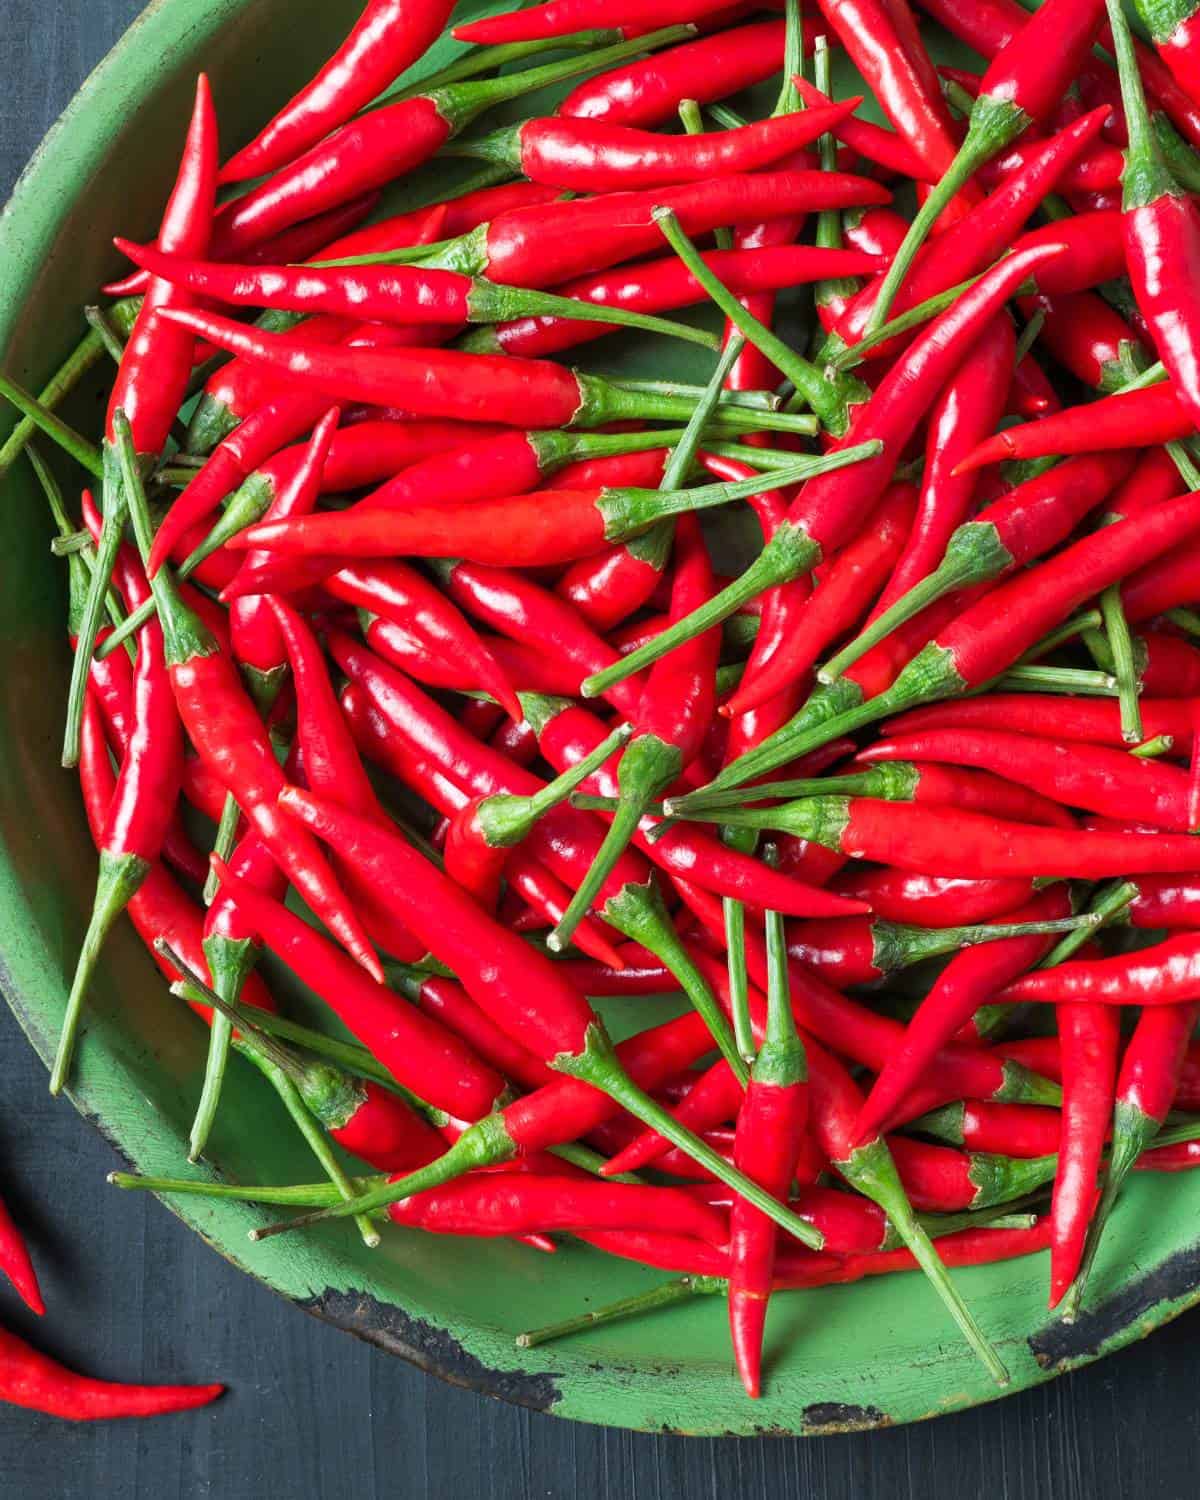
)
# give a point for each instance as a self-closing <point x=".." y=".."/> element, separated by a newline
<point x="312" y="1413"/>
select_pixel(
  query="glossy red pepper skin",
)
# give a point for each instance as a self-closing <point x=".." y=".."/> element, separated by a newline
<point x="34" y="1380"/>
<point x="500" y="1203"/>
<point x="1088" y="720"/>
<point x="387" y="38"/>
<point x="931" y="900"/>
<point x="1151" y="416"/>
<point x="968" y="981"/>
<point x="1175" y="29"/>
<point x="648" y="92"/>
<point x="561" y="17"/>
<point x="1089" y="1037"/>
<point x="16" y="1263"/>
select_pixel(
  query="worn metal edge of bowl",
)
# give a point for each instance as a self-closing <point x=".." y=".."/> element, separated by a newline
<point x="565" y="1380"/>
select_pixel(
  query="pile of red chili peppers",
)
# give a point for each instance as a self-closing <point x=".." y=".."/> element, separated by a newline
<point x="427" y="623"/>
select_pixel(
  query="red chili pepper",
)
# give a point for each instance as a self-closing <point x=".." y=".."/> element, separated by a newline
<point x="405" y="295"/>
<point x="1176" y="34"/>
<point x="968" y="981"/>
<point x="671" y="720"/>
<point x="648" y="92"/>
<point x="715" y="1096"/>
<point x="16" y="1264"/>
<point x="771" y="1123"/>
<point x="942" y="1180"/>
<point x="561" y="17"/>
<point x="662" y="285"/>
<point x="1089" y="1037"/>
<point x="968" y="408"/>
<point x="883" y="147"/>
<point x="827" y="511"/>
<point x="136" y="823"/>
<point x="387" y="38"/>
<point x="1007" y="535"/>
<point x="501" y="1203"/>
<point x="1087" y="720"/>
<point x="1088" y="776"/>
<point x="151" y="379"/>
<point x="549" y="243"/>
<point x="385" y="143"/>
<point x="34" y="1380"/>
<point x="597" y="156"/>
<point x="1026" y="1130"/>
<point x="931" y="900"/>
<point x="1022" y="85"/>
<point x="854" y="576"/>
<point x="454" y="1008"/>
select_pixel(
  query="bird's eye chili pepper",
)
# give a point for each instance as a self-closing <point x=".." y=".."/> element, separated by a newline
<point x="970" y="979"/>
<point x="834" y="1105"/>
<point x="931" y="901"/>
<point x="532" y="998"/>
<point x="826" y="513"/>
<point x="373" y="150"/>
<point x="31" y="1379"/>
<point x="1089" y="1037"/>
<point x="1023" y="83"/>
<point x="386" y="294"/>
<point x="1162" y="233"/>
<point x="388" y="37"/>
<point x="466" y="387"/>
<point x="648" y="92"/>
<point x="527" y="530"/>
<point x="219" y="720"/>
<point x="1141" y="418"/>
<point x="675" y="712"/>
<point x="561" y="17"/>
<point x="151" y="380"/>
<point x="1086" y="776"/>
<point x="771" y="1122"/>
<point x="1088" y="721"/>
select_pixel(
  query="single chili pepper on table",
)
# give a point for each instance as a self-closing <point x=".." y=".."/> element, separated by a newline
<point x="384" y="294"/>
<point x="152" y="378"/>
<point x="387" y="38"/>
<point x="825" y="514"/>
<point x="1023" y="83"/>
<point x="220" y="722"/>
<point x="386" y="143"/>
<point x="31" y="1379"/>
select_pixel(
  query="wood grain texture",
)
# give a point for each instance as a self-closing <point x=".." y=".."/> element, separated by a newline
<point x="311" y="1413"/>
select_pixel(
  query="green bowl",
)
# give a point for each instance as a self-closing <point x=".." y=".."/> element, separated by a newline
<point x="853" y="1357"/>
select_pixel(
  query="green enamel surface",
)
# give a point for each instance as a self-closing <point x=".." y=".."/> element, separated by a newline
<point x="874" y="1353"/>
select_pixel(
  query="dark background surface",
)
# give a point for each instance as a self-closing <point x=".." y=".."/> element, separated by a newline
<point x="313" y="1413"/>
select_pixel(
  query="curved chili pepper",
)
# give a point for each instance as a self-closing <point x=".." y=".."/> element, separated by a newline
<point x="405" y="295"/>
<point x="1151" y="416"/>
<point x="716" y="1095"/>
<point x="969" y="407"/>
<point x="501" y="1203"/>
<point x="561" y="17"/>
<point x="1013" y="531"/>
<point x="1088" y="776"/>
<point x="1022" y="84"/>
<point x="16" y="1264"/>
<point x="671" y="720"/>
<point x="662" y="285"/>
<point x="151" y="379"/>
<point x="853" y="576"/>
<point x="648" y="92"/>
<point x="31" y="1379"/>
<point x="970" y="979"/>
<point x="550" y="243"/>
<point x="523" y="992"/>
<point x="454" y="1008"/>
<point x="596" y="156"/>
<point x="386" y="143"/>
<point x="1089" y="1036"/>
<point x="771" y="1122"/>
<point x="826" y="512"/>
<point x="884" y="147"/>
<point x="387" y="38"/>
<point x="136" y="823"/>
<point x="931" y="900"/>
<point x="835" y="1104"/>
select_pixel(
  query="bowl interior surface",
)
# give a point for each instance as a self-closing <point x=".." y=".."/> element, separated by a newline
<point x="865" y="1355"/>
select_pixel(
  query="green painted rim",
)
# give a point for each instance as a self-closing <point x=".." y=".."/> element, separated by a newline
<point x="853" y="1357"/>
